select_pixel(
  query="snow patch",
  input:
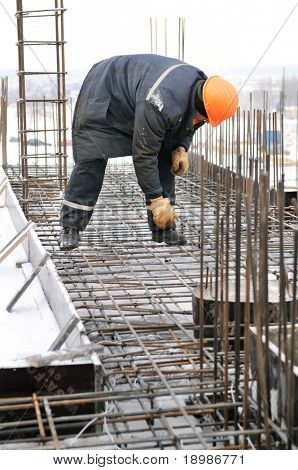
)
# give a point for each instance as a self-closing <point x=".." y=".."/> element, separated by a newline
<point x="156" y="100"/>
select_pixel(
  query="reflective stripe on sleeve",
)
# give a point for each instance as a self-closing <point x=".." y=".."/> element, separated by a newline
<point x="160" y="79"/>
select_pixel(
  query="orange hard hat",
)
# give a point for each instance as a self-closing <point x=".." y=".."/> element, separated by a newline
<point x="220" y="99"/>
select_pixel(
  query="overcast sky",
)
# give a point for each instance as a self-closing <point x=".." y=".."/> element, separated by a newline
<point x="218" y="34"/>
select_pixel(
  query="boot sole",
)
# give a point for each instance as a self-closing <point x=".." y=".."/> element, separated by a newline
<point x="68" y="248"/>
<point x="169" y="243"/>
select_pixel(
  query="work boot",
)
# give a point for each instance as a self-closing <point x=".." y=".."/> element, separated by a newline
<point x="169" y="235"/>
<point x="69" y="238"/>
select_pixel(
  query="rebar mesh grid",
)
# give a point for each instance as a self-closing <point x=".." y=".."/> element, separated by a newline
<point x="162" y="388"/>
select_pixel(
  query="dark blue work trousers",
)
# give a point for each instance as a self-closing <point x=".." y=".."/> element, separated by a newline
<point x="85" y="184"/>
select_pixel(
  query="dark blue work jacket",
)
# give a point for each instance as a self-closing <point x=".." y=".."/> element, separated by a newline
<point x="136" y="105"/>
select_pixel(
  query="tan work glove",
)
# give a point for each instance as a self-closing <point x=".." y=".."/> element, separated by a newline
<point x="162" y="211"/>
<point x="179" y="161"/>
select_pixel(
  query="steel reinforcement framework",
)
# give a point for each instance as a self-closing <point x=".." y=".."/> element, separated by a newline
<point x="200" y="341"/>
<point x="162" y="387"/>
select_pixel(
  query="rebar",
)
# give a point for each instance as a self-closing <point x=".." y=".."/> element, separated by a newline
<point x="3" y="119"/>
<point x="166" y="381"/>
<point x="28" y="107"/>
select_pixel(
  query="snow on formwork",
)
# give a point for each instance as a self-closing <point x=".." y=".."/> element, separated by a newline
<point x="31" y="327"/>
<point x="44" y="308"/>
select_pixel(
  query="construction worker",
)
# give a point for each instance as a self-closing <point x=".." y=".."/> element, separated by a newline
<point x="147" y="106"/>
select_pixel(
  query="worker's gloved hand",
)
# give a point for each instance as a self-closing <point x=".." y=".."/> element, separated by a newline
<point x="179" y="161"/>
<point x="162" y="211"/>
